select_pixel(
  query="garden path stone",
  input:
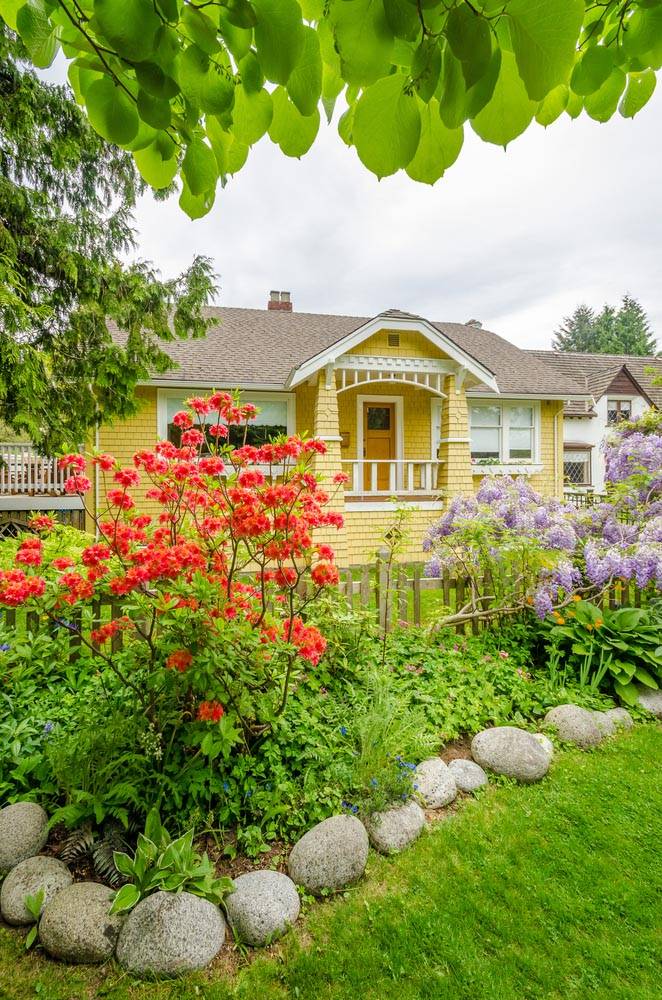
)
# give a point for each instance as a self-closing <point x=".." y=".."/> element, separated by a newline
<point x="620" y="717"/>
<point x="332" y="855"/>
<point x="27" y="878"/>
<point x="170" y="933"/>
<point x="651" y="701"/>
<point x="262" y="907"/>
<point x="467" y="773"/>
<point x="393" y="829"/>
<point x="545" y="743"/>
<point x="435" y="783"/>
<point x="23" y="833"/>
<point x="575" y="725"/>
<point x="510" y="751"/>
<point x="76" y="926"/>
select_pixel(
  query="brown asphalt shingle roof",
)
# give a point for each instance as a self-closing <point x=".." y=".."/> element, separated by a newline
<point x="245" y="347"/>
<point x="598" y="371"/>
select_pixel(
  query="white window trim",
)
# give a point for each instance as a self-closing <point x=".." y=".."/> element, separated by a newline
<point x="503" y="463"/>
<point x="399" y="428"/>
<point x="247" y="397"/>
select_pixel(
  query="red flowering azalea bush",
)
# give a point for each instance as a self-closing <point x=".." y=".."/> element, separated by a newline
<point x="209" y="595"/>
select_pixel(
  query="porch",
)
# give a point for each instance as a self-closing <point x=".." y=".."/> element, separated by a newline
<point x="31" y="482"/>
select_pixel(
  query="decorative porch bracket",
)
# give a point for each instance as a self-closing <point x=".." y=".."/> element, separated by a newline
<point x="356" y="370"/>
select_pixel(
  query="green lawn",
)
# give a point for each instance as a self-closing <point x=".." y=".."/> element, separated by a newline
<point x="550" y="891"/>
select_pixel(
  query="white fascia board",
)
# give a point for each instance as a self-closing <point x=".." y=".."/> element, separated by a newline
<point x="331" y="354"/>
<point x="577" y="397"/>
<point x="169" y="383"/>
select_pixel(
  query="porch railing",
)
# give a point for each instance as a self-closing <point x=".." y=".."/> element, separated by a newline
<point x="23" y="471"/>
<point x="385" y="477"/>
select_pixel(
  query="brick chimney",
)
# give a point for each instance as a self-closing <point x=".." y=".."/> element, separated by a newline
<point x="280" y="300"/>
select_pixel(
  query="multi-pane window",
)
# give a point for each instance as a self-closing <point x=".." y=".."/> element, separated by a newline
<point x="577" y="466"/>
<point x="270" y="422"/>
<point x="502" y="433"/>
<point x="618" y="409"/>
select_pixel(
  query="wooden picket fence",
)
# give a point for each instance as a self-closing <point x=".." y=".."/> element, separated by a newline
<point x="397" y="595"/>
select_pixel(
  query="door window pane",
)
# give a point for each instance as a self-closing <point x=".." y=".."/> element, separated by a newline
<point x="379" y="418"/>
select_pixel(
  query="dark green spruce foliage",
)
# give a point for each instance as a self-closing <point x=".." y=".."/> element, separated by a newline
<point x="65" y="223"/>
<point x="625" y="330"/>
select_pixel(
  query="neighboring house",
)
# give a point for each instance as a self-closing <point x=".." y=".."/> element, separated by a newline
<point x="413" y="411"/>
<point x="622" y="387"/>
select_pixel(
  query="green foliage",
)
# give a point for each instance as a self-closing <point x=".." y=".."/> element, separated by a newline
<point x="33" y="904"/>
<point x="161" y="863"/>
<point x="65" y="203"/>
<point x="615" y="650"/>
<point x="176" y="71"/>
<point x="625" y="330"/>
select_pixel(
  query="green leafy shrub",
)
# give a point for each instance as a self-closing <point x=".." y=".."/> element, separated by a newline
<point x="160" y="862"/>
<point x="609" y="649"/>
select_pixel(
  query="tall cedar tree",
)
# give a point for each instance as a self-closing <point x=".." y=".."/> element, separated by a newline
<point x="612" y="331"/>
<point x="65" y="221"/>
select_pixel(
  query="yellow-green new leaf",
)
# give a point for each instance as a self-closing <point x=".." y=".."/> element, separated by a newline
<point x="544" y="36"/>
<point x="638" y="92"/>
<point x="510" y="109"/>
<point x="603" y="103"/>
<point x="305" y="82"/>
<point x="292" y="131"/>
<point x="251" y="115"/>
<point x="364" y="39"/>
<point x="129" y="26"/>
<point x="111" y="112"/>
<point x="157" y="163"/>
<point x="279" y="37"/>
<point x="438" y="147"/>
<point x="199" y="167"/>
<point x="196" y="206"/>
<point x="553" y="105"/>
<point x="36" y="31"/>
<point x="387" y="126"/>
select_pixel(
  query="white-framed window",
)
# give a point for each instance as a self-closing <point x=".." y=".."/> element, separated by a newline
<point x="577" y="466"/>
<point x="276" y="415"/>
<point x="504" y="432"/>
<point x="618" y="409"/>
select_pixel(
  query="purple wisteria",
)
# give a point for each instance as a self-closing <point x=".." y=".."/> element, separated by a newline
<point x="531" y="549"/>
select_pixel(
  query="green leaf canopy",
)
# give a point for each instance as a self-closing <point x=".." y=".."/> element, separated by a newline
<point x="388" y="71"/>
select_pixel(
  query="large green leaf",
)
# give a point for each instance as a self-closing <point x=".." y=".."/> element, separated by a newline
<point x="553" y="105"/>
<point x="251" y="115"/>
<point x="544" y="36"/>
<point x="153" y="111"/>
<point x="199" y="167"/>
<point x="111" y="111"/>
<point x="452" y="91"/>
<point x="36" y="31"/>
<point x="305" y="82"/>
<point x="130" y="26"/>
<point x="154" y="81"/>
<point x="438" y="147"/>
<point x="279" y="37"/>
<point x="230" y="154"/>
<point x="205" y="81"/>
<point x="638" y="92"/>
<point x="510" y="109"/>
<point x="592" y="70"/>
<point x="470" y="39"/>
<point x="292" y="131"/>
<point x="157" y="163"/>
<point x="200" y="28"/>
<point x="387" y="126"/>
<point x="363" y="38"/>
<point x="603" y="103"/>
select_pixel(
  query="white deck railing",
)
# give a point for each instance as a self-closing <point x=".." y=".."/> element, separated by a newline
<point x="24" y="471"/>
<point x="386" y="477"/>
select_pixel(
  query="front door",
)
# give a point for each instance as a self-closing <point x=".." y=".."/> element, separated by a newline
<point x="378" y="444"/>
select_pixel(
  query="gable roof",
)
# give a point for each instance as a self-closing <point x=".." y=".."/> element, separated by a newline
<point x="598" y="371"/>
<point x="262" y="348"/>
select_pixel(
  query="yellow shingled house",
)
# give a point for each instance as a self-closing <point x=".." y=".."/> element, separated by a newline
<point x="412" y="411"/>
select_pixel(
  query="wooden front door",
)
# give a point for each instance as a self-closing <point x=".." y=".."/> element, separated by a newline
<point x="378" y="443"/>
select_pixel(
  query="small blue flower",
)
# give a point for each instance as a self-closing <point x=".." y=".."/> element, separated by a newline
<point x="405" y="796"/>
<point x="48" y="728"/>
<point x="249" y="793"/>
<point x="4" y="646"/>
<point x="374" y="782"/>
<point x="226" y="786"/>
<point x="343" y="730"/>
<point x="355" y="809"/>
<point x="415" y="787"/>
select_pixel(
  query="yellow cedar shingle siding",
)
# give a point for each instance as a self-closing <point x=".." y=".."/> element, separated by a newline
<point x="412" y="345"/>
<point x="125" y="437"/>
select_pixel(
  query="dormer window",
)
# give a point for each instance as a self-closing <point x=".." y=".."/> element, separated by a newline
<point x="618" y="409"/>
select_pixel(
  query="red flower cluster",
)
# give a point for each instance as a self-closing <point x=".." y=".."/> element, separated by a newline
<point x="77" y="484"/>
<point x="210" y="711"/>
<point x="16" y="588"/>
<point x="324" y="574"/>
<point x="308" y="640"/>
<point x="30" y="552"/>
<point x="109" y="629"/>
<point x="180" y="660"/>
<point x="42" y="522"/>
<point x="77" y="462"/>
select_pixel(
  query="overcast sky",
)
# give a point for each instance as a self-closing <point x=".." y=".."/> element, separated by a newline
<point x="514" y="238"/>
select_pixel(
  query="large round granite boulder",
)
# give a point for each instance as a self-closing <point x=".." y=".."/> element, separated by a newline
<point x="77" y="927"/>
<point x="23" y="833"/>
<point x="435" y="783"/>
<point x="393" y="829"/>
<point x="510" y="751"/>
<point x="332" y="855"/>
<point x="575" y="725"/>
<point x="262" y="907"/>
<point x="170" y="933"/>
<point x="28" y="878"/>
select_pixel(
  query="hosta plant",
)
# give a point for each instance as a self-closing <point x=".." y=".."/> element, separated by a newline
<point x="161" y="863"/>
<point x="615" y="649"/>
